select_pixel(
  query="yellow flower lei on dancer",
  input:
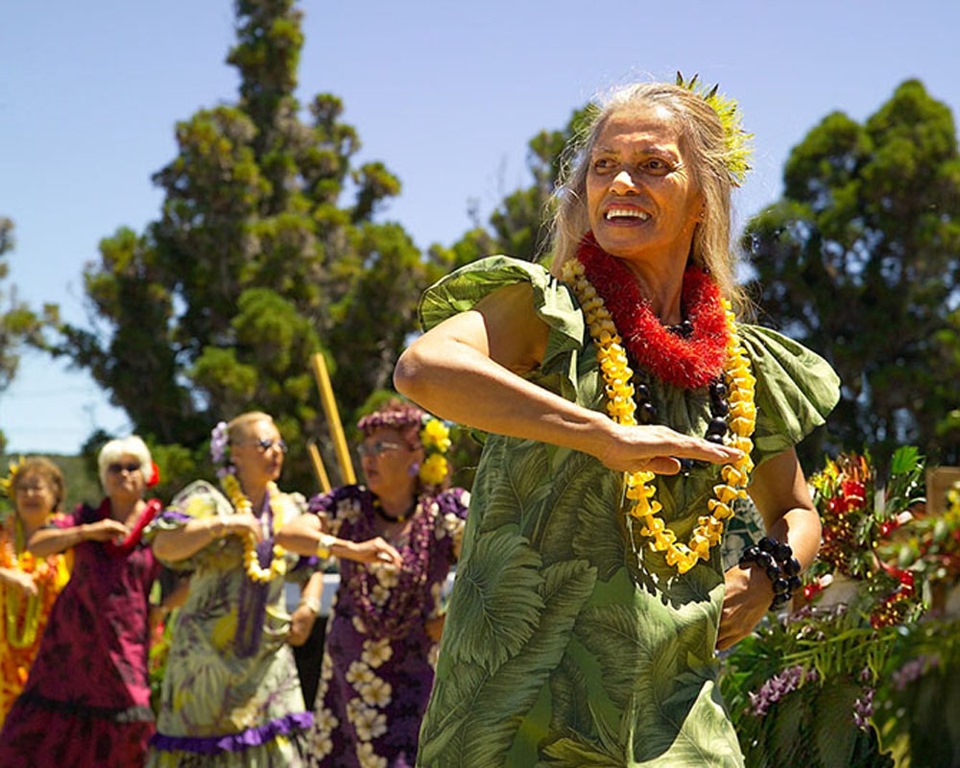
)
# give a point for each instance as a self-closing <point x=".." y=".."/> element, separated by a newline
<point x="621" y="406"/>
<point x="278" y="565"/>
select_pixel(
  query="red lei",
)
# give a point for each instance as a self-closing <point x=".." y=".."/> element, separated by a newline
<point x="125" y="547"/>
<point x="688" y="363"/>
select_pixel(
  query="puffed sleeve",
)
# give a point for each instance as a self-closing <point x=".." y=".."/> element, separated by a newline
<point x="553" y="302"/>
<point x="796" y="390"/>
<point x="339" y="509"/>
<point x="197" y="501"/>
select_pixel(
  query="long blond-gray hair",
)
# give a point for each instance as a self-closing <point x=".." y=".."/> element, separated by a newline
<point x="703" y="142"/>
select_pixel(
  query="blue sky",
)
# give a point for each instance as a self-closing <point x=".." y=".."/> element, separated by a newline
<point x="447" y="94"/>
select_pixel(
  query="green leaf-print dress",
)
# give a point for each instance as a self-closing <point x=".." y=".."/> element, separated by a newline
<point x="567" y="644"/>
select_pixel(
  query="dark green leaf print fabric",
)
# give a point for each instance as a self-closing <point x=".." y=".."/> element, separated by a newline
<point x="569" y="643"/>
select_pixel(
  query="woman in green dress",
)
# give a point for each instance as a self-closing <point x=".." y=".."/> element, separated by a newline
<point x="627" y="410"/>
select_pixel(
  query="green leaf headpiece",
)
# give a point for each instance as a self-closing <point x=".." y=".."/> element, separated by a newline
<point x="737" y="140"/>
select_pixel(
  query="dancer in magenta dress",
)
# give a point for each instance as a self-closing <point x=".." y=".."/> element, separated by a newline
<point x="86" y="703"/>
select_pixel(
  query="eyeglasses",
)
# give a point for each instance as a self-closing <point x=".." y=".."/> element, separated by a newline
<point x="116" y="469"/>
<point x="264" y="444"/>
<point x="375" y="449"/>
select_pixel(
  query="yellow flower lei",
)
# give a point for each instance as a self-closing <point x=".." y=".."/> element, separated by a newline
<point x="278" y="566"/>
<point x="621" y="406"/>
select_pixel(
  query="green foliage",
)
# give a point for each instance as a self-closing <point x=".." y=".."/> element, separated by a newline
<point x="863" y="241"/>
<point x="265" y="253"/>
<point x="519" y="225"/>
<point x="17" y="323"/>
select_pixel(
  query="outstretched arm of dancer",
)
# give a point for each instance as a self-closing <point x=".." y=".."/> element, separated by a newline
<point x="469" y="369"/>
<point x="306" y="536"/>
<point x="779" y="490"/>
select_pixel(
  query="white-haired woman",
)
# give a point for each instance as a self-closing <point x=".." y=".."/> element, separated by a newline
<point x="87" y="700"/>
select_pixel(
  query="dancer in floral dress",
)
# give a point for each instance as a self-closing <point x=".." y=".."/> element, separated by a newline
<point x="29" y="585"/>
<point x="627" y="407"/>
<point x="231" y="695"/>
<point x="381" y="640"/>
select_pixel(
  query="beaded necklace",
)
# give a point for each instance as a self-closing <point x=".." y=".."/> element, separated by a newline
<point x="407" y="600"/>
<point x="621" y="406"/>
<point x="251" y="562"/>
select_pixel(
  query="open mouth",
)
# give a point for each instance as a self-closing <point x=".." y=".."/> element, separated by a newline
<point x="622" y="214"/>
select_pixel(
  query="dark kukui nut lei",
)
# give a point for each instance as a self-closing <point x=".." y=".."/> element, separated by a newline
<point x="782" y="568"/>
<point x="719" y="408"/>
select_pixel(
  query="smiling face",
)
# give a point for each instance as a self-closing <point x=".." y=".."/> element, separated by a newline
<point x="35" y="499"/>
<point x="642" y="198"/>
<point x="387" y="461"/>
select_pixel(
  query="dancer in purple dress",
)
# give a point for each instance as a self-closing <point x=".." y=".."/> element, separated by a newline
<point x="377" y="668"/>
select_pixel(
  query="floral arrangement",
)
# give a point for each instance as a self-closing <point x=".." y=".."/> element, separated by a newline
<point x="859" y="514"/>
<point x="839" y="681"/>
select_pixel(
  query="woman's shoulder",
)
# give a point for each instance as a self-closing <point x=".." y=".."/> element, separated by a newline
<point x="465" y="287"/>
<point x="796" y="388"/>
<point x="334" y="501"/>
<point x="200" y="499"/>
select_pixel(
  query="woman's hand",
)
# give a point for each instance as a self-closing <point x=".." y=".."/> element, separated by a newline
<point x="747" y="598"/>
<point x="242" y="525"/>
<point x="370" y="551"/>
<point x="19" y="580"/>
<point x="301" y="625"/>
<point x="657" y="449"/>
<point x="434" y="627"/>
<point x="107" y="529"/>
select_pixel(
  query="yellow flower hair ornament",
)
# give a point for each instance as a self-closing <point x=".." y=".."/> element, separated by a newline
<point x="435" y="438"/>
<point x="6" y="483"/>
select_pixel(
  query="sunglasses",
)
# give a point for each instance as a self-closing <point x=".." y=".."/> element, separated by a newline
<point x="116" y="469"/>
<point x="375" y="449"/>
<point x="264" y="444"/>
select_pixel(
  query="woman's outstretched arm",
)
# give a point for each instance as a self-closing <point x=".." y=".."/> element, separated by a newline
<point x="470" y="369"/>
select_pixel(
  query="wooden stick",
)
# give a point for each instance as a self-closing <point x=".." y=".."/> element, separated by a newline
<point x="333" y="419"/>
<point x="318" y="469"/>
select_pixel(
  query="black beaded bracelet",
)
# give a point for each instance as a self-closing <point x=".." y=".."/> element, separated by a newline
<point x="782" y="568"/>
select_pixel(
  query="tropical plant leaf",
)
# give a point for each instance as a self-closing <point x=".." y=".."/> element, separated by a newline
<point x="611" y="634"/>
<point x="835" y="731"/>
<point x="521" y="498"/>
<point x="495" y="607"/>
<point x="479" y="730"/>
<point x="568" y="686"/>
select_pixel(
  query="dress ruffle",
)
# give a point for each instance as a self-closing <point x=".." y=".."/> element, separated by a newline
<point x="235" y="742"/>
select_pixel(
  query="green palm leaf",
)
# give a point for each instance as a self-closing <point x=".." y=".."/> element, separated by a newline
<point x="481" y="732"/>
<point x="495" y="607"/>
